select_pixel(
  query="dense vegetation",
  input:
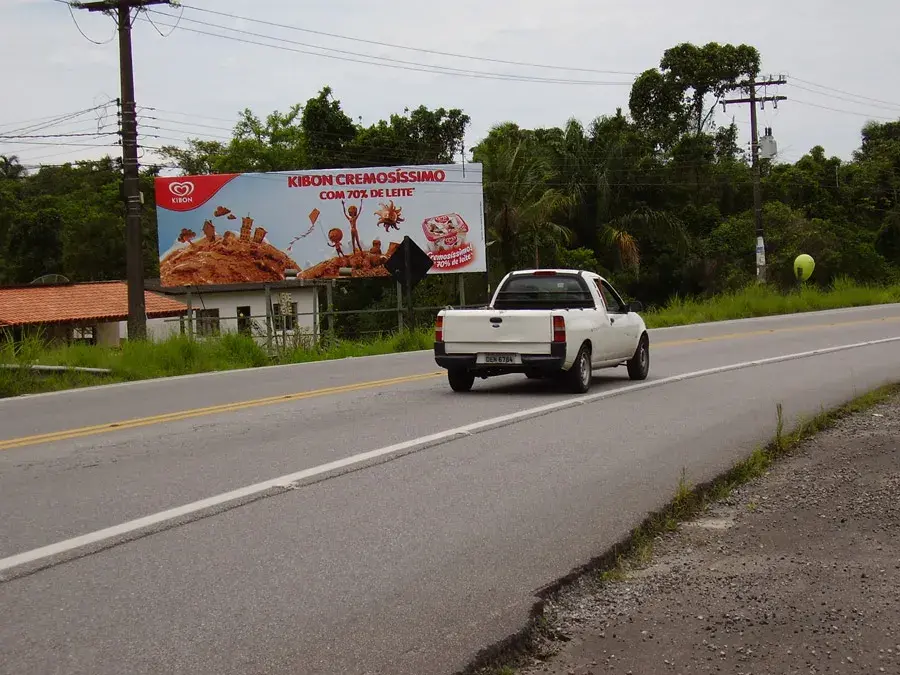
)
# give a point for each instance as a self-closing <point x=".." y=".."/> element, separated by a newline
<point x="659" y="199"/>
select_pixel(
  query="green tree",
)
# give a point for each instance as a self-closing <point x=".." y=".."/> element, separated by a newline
<point x="274" y="144"/>
<point x="327" y="131"/>
<point x="10" y="167"/>
<point x="33" y="246"/>
<point x="422" y="136"/>
<point x="673" y="99"/>
<point x="522" y="207"/>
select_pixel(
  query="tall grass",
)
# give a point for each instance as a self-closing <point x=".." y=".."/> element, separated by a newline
<point x="180" y="355"/>
<point x="758" y="300"/>
<point x="177" y="355"/>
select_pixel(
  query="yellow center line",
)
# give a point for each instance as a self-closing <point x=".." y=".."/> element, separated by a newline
<point x="209" y="410"/>
<point x="770" y="331"/>
<point x="79" y="432"/>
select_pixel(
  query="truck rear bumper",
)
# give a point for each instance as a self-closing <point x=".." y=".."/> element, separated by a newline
<point x="530" y="362"/>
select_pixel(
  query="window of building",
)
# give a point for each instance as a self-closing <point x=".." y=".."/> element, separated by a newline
<point x="207" y="321"/>
<point x="244" y="322"/>
<point x="284" y="321"/>
<point x="84" y="335"/>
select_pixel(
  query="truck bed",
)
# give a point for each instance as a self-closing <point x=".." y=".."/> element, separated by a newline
<point x="505" y="331"/>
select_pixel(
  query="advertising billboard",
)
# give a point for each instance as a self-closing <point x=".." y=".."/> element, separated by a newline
<point x="251" y="227"/>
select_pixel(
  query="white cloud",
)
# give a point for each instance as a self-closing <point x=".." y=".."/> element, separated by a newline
<point x="825" y="41"/>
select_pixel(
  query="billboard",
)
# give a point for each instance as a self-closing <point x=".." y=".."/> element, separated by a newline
<point x="251" y="227"/>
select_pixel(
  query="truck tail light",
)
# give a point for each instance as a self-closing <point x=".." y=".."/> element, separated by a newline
<point x="559" y="329"/>
<point x="439" y="329"/>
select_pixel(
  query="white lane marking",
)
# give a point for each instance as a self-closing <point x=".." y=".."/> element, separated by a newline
<point x="287" y="481"/>
<point x="686" y="327"/>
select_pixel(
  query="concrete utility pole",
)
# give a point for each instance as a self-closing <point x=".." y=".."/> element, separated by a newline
<point x="120" y="10"/>
<point x="753" y="100"/>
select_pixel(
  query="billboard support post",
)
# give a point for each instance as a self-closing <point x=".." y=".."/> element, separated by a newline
<point x="399" y="307"/>
<point x="462" y="291"/>
<point x="316" y="321"/>
<point x="190" y="314"/>
<point x="285" y="310"/>
<point x="407" y="255"/>
<point x="268" y="317"/>
<point x="329" y="304"/>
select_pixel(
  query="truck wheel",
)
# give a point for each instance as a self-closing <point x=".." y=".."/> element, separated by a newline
<point x="639" y="364"/>
<point x="460" y="379"/>
<point x="580" y="374"/>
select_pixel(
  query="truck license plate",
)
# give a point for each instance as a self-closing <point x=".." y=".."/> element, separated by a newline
<point x="501" y="359"/>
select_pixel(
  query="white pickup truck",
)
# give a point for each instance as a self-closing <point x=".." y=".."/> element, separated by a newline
<point x="544" y="323"/>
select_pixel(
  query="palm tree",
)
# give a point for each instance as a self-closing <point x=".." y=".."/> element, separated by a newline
<point x="594" y="167"/>
<point x="620" y="233"/>
<point x="523" y="206"/>
<point x="10" y="167"/>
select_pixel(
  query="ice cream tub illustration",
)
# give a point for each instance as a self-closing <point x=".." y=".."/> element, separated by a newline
<point x="447" y="245"/>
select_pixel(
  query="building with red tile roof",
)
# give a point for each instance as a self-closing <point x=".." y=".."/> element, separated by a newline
<point x="58" y="309"/>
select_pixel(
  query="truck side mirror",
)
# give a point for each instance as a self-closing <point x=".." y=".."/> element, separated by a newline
<point x="635" y="306"/>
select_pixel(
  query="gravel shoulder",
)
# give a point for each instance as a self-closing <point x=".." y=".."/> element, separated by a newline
<point x="795" y="572"/>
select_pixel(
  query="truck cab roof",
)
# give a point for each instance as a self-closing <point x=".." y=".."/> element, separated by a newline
<point x="541" y="271"/>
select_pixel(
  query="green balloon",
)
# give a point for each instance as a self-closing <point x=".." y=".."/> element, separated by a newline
<point x="804" y="266"/>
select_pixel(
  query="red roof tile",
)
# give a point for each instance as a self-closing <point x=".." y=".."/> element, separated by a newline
<point x="70" y="303"/>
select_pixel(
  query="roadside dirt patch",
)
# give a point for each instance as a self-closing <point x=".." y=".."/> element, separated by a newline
<point x="797" y="572"/>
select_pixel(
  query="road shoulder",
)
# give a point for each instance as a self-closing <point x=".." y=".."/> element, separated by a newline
<point x="796" y="571"/>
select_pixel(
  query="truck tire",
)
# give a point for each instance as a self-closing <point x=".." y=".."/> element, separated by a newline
<point x="580" y="375"/>
<point x="460" y="379"/>
<point x="639" y="363"/>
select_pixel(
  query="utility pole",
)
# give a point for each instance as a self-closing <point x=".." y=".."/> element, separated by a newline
<point x="752" y="99"/>
<point x="120" y="10"/>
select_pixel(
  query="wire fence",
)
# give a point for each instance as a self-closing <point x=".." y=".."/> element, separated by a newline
<point x="278" y="331"/>
<point x="276" y="323"/>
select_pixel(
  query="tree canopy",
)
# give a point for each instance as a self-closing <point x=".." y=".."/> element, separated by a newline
<point x="659" y="198"/>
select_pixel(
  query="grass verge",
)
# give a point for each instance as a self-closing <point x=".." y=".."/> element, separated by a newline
<point x="180" y="355"/>
<point x="758" y="300"/>
<point x="636" y="550"/>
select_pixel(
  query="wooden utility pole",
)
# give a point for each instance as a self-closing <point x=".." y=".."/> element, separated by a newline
<point x="752" y="99"/>
<point x="120" y="10"/>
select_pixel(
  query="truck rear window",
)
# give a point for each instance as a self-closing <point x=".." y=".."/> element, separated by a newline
<point x="544" y="292"/>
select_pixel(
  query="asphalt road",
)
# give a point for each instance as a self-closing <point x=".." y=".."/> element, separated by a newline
<point x="408" y="559"/>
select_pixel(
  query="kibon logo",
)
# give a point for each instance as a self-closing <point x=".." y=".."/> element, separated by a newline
<point x="181" y="192"/>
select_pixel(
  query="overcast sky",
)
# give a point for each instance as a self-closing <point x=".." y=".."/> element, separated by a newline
<point x="201" y="81"/>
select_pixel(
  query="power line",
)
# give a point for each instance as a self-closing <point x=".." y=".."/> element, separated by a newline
<point x="70" y="145"/>
<point x="27" y="136"/>
<point x="849" y="100"/>
<point x="408" y="48"/>
<point x="41" y="120"/>
<point x="382" y="61"/>
<point x="193" y="124"/>
<point x="174" y="28"/>
<point x="846" y="112"/>
<point x="176" y="112"/>
<point x="848" y="93"/>
<point x="51" y="122"/>
<point x="60" y="154"/>
<point x="83" y="34"/>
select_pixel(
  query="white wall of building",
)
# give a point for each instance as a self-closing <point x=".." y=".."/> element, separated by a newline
<point x="107" y="334"/>
<point x="227" y="305"/>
